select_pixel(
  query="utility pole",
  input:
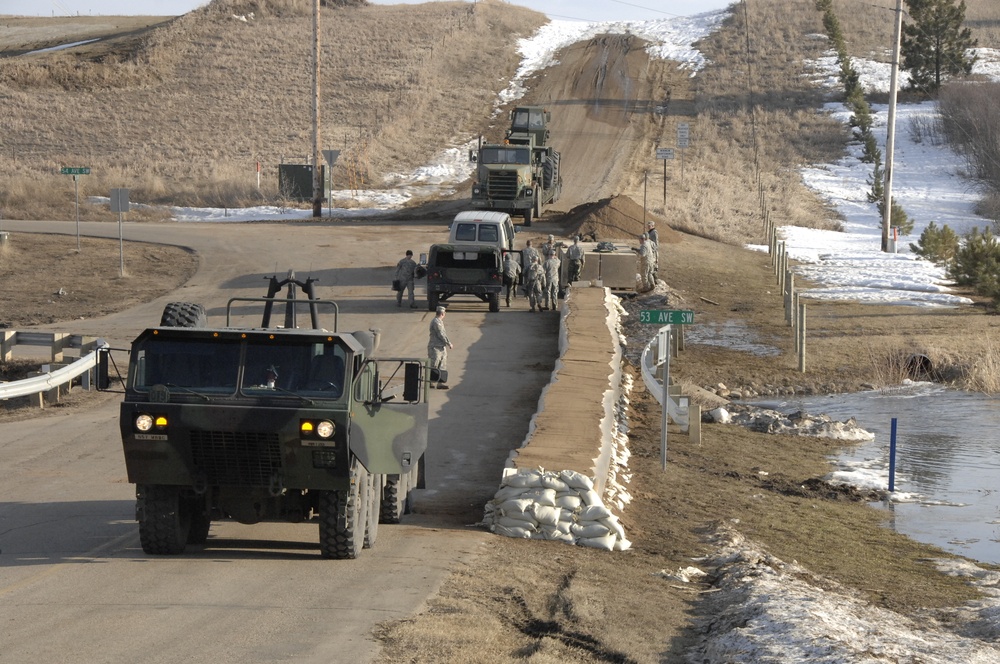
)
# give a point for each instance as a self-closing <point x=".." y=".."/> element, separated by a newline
<point x="890" y="136"/>
<point x="317" y="179"/>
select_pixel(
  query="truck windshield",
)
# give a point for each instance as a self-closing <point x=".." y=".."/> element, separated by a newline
<point x="307" y="368"/>
<point x="273" y="367"/>
<point x="204" y="366"/>
<point x="505" y="155"/>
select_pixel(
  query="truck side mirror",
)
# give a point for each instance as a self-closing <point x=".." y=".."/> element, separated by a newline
<point x="101" y="377"/>
<point x="473" y="157"/>
<point x="423" y="259"/>
<point x="411" y="381"/>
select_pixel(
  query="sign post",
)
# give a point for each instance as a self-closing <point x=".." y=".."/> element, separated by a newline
<point x="664" y="154"/>
<point x="331" y="158"/>
<point x="670" y="317"/>
<point x="683" y="140"/>
<point x="119" y="204"/>
<point x="76" y="172"/>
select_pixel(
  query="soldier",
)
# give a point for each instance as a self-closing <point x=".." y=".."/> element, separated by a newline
<point x="405" y="270"/>
<point x="528" y="257"/>
<point x="646" y="277"/>
<point x="511" y="274"/>
<point x="654" y="240"/>
<point x="577" y="258"/>
<point x="533" y="283"/>
<point x="437" y="350"/>
<point x="551" y="288"/>
<point x="549" y="248"/>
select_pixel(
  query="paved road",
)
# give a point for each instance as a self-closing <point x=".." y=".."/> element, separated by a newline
<point x="76" y="587"/>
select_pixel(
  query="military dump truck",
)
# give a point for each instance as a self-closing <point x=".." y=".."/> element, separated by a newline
<point x="269" y="424"/>
<point x="521" y="175"/>
<point x="464" y="269"/>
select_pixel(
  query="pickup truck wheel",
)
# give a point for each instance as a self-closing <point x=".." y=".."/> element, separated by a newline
<point x="343" y="516"/>
<point x="432" y="301"/>
<point x="164" y="519"/>
<point x="494" y="300"/>
<point x="183" y="314"/>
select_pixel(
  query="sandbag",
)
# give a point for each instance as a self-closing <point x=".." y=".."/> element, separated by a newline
<point x="546" y="515"/>
<point x="576" y="480"/>
<point x="525" y="478"/>
<point x="591" y="498"/>
<point x="593" y="512"/>
<point x="519" y="533"/>
<point x="589" y="530"/>
<point x="514" y="522"/>
<point x="541" y="496"/>
<point x="607" y="543"/>
<point x="516" y="505"/>
<point x="570" y="503"/>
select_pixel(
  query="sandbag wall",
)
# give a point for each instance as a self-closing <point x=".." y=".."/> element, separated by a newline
<point x="567" y="480"/>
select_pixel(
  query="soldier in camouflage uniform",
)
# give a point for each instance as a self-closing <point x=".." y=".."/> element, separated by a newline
<point x="405" y="270"/>
<point x="647" y="279"/>
<point x="511" y="274"/>
<point x="577" y="258"/>
<point x="551" y="288"/>
<point x="534" y="281"/>
<point x="437" y="349"/>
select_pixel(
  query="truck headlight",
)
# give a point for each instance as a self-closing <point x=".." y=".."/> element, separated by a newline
<point x="528" y="191"/>
<point x="476" y="190"/>
<point x="325" y="429"/>
<point x="143" y="422"/>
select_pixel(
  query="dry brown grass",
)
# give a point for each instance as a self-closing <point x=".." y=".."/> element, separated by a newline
<point x="187" y="117"/>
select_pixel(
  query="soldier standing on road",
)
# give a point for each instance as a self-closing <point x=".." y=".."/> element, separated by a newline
<point x="511" y="273"/>
<point x="549" y="248"/>
<point x="577" y="258"/>
<point x="533" y="283"/>
<point x="551" y="289"/>
<point x="654" y="239"/>
<point x="646" y="276"/>
<point x="528" y="258"/>
<point x="437" y="350"/>
<point x="405" y="270"/>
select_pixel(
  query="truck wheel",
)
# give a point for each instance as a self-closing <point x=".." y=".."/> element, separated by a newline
<point x="432" y="301"/>
<point x="164" y="519"/>
<point x="494" y="300"/>
<point x="201" y="521"/>
<point x="394" y="498"/>
<point x="374" y="509"/>
<point x="183" y="314"/>
<point x="527" y="216"/>
<point x="343" y="516"/>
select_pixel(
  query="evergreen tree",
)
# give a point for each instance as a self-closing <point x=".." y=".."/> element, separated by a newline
<point x="935" y="44"/>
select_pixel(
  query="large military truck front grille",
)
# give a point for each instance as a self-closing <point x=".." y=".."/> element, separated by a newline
<point x="236" y="458"/>
<point x="503" y="184"/>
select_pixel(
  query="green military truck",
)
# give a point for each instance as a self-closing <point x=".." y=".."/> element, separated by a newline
<point x="464" y="269"/>
<point x="519" y="176"/>
<point x="269" y="424"/>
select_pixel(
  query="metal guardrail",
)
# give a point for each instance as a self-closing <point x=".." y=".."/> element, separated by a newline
<point x="50" y="381"/>
<point x="57" y="343"/>
<point x="678" y="414"/>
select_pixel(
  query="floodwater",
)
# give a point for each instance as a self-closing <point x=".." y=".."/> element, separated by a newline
<point x="947" y="479"/>
<point x="732" y="334"/>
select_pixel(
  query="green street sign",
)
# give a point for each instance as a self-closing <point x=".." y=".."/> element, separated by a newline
<point x="666" y="316"/>
<point x="67" y="170"/>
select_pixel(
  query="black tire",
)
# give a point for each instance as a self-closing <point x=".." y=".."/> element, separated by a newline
<point x="183" y="314"/>
<point x="164" y="519"/>
<point x="201" y="520"/>
<point x="374" y="509"/>
<point x="343" y="516"/>
<point x="494" y="300"/>
<point x="527" y="216"/>
<point x="432" y="301"/>
<point x="394" y="495"/>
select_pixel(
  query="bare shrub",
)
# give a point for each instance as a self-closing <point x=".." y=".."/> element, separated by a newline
<point x="890" y="364"/>
<point x="971" y="121"/>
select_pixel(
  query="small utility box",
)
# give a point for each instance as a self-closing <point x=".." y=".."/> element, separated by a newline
<point x="295" y="181"/>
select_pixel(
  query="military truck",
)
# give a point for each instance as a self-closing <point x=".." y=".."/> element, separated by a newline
<point x="269" y="424"/>
<point x="520" y="175"/>
<point x="464" y="269"/>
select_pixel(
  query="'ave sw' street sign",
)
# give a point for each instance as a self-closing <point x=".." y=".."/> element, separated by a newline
<point x="666" y="316"/>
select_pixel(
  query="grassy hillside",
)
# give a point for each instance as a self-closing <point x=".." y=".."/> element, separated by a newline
<point x="185" y="118"/>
